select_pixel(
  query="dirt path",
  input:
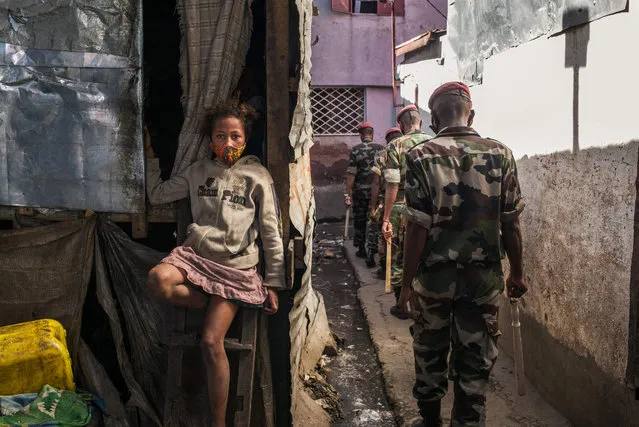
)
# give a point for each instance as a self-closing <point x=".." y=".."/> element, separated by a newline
<point x="355" y="372"/>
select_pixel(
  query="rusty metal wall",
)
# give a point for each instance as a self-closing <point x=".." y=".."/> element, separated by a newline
<point x="70" y="101"/>
<point x="101" y="26"/>
<point x="480" y="29"/>
<point x="307" y="303"/>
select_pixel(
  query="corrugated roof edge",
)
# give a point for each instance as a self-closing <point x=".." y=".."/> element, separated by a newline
<point x="417" y="42"/>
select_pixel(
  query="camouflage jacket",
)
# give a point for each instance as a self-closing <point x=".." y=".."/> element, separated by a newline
<point x="379" y="163"/>
<point x="396" y="164"/>
<point x="359" y="164"/>
<point x="459" y="187"/>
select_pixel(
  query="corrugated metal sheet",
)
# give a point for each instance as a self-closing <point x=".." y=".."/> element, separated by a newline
<point x="480" y="29"/>
<point x="102" y="26"/>
<point x="301" y="135"/>
<point x="306" y="304"/>
<point x="70" y="98"/>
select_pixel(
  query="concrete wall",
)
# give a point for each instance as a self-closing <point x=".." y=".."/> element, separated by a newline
<point x="420" y="17"/>
<point x="329" y="155"/>
<point x="355" y="49"/>
<point x="578" y="245"/>
<point x="580" y="216"/>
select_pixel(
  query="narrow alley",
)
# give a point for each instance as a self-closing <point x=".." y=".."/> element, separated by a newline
<point x="373" y="372"/>
<point x="354" y="372"/>
<point x="176" y="176"/>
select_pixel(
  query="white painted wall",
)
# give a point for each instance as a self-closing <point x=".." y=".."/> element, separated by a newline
<point x="526" y="99"/>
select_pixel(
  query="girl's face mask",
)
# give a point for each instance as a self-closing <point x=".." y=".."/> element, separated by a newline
<point x="227" y="153"/>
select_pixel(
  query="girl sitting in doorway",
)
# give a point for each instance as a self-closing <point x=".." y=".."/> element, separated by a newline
<point x="233" y="203"/>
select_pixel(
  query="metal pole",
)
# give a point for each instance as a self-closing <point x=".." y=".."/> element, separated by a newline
<point x="393" y="60"/>
<point x="518" y="348"/>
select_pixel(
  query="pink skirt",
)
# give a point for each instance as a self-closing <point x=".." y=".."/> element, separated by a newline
<point x="216" y="279"/>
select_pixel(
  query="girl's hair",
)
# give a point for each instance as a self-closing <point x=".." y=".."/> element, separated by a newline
<point x="230" y="108"/>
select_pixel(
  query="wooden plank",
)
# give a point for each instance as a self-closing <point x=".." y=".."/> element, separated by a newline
<point x="293" y="84"/>
<point x="277" y="101"/>
<point x="25" y="211"/>
<point x="161" y="213"/>
<point x="174" y="374"/>
<point x="246" y="369"/>
<point x="139" y="226"/>
<point x="179" y="339"/>
<point x="265" y="373"/>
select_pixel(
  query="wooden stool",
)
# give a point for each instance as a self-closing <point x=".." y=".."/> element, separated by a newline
<point x="245" y="347"/>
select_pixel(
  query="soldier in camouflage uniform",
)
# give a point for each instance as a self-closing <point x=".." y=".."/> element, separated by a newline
<point x="410" y="123"/>
<point x="462" y="191"/>
<point x="374" y="239"/>
<point x="358" y="184"/>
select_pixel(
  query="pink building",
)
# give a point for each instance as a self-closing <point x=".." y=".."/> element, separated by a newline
<point x="352" y="80"/>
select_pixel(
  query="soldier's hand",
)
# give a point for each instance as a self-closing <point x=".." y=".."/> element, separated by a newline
<point x="515" y="287"/>
<point x="387" y="230"/>
<point x="347" y="200"/>
<point x="407" y="298"/>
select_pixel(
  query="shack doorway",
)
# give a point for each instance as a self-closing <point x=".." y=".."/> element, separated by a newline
<point x="163" y="112"/>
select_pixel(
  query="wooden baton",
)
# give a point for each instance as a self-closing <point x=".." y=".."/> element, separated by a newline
<point x="387" y="283"/>
<point x="348" y="217"/>
<point x="518" y="348"/>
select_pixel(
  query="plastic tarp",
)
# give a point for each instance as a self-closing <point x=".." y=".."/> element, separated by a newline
<point x="137" y="322"/>
<point x="70" y="99"/>
<point x="45" y="272"/>
<point x="480" y="29"/>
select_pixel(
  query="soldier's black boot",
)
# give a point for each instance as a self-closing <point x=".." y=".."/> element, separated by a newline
<point x="370" y="260"/>
<point x="430" y="412"/>
<point x="361" y="252"/>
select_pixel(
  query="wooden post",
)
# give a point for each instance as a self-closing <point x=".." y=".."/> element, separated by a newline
<point x="139" y="226"/>
<point x="277" y="105"/>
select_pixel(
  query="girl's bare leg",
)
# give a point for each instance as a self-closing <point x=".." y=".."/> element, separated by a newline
<point x="219" y="316"/>
<point x="167" y="282"/>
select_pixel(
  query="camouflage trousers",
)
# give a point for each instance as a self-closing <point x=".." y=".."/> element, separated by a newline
<point x="373" y="245"/>
<point x="458" y="314"/>
<point x="360" y="219"/>
<point x="397" y="262"/>
<point x="372" y="236"/>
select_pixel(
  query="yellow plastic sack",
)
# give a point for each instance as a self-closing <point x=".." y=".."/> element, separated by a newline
<point x="34" y="354"/>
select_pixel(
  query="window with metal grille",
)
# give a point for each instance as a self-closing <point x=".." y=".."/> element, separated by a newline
<point x="368" y="6"/>
<point x="337" y="110"/>
<point x="364" y="6"/>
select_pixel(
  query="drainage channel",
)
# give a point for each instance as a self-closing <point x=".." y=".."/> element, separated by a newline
<point x="355" y="372"/>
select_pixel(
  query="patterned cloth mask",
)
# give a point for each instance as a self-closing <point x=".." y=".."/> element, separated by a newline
<point x="228" y="154"/>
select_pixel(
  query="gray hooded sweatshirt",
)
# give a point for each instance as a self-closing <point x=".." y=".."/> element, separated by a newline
<point x="232" y="206"/>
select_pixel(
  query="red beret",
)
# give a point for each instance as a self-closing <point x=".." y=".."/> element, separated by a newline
<point x="391" y="130"/>
<point x="405" y="109"/>
<point x="450" y="88"/>
<point x="364" y="126"/>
